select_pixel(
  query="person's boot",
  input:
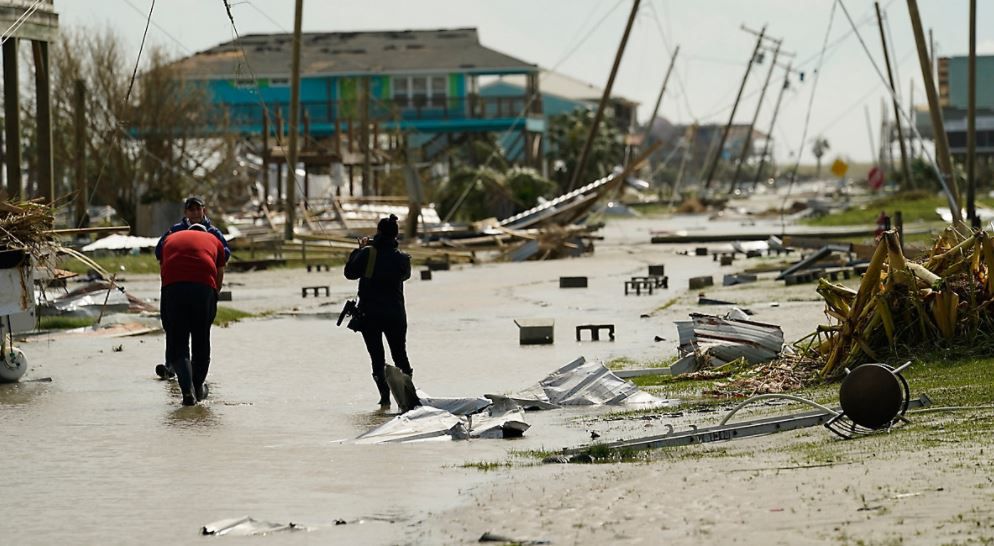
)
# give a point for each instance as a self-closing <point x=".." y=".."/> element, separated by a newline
<point x="164" y="371"/>
<point x="381" y="385"/>
<point x="201" y="391"/>
<point x="184" y="377"/>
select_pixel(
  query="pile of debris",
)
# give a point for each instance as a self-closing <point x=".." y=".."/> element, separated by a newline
<point x="710" y="341"/>
<point x="902" y="303"/>
<point x="27" y="226"/>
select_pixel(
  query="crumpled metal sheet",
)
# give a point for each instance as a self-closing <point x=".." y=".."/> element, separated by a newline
<point x="246" y="526"/>
<point x="718" y="340"/>
<point x="421" y="424"/>
<point x="582" y="383"/>
<point x="121" y="242"/>
<point x="456" y="406"/>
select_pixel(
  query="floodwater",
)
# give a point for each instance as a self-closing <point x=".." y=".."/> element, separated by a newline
<point x="105" y="454"/>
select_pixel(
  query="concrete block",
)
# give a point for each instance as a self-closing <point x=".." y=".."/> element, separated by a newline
<point x="701" y="251"/>
<point x="225" y="295"/>
<point x="572" y="282"/>
<point x="754" y="253"/>
<point x="697" y="283"/>
<point x="437" y="265"/>
<point x="727" y="259"/>
<point x="426" y="274"/>
<point x="595" y="331"/>
<point x="535" y="331"/>
<point x="657" y="270"/>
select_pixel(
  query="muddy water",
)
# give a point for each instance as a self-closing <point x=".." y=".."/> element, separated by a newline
<point x="105" y="453"/>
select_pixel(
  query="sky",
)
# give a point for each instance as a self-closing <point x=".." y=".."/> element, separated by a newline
<point x="580" y="38"/>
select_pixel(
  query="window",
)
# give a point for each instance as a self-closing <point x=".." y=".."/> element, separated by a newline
<point x="279" y="82"/>
<point x="420" y="91"/>
<point x="244" y="84"/>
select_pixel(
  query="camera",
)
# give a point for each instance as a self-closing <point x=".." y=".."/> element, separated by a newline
<point x="347" y="311"/>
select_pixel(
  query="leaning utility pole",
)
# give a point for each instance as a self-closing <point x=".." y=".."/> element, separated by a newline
<point x="869" y="130"/>
<point x="291" y="181"/>
<point x="773" y="121"/>
<point x="599" y="115"/>
<point x="971" y="120"/>
<point x="935" y="112"/>
<point x="905" y="165"/>
<point x="747" y="143"/>
<point x="659" y="99"/>
<point x="735" y="106"/>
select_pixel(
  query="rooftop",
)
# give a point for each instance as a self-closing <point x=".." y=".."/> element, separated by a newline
<point x="353" y="53"/>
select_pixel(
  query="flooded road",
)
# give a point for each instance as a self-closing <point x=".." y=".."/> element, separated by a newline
<point x="105" y="454"/>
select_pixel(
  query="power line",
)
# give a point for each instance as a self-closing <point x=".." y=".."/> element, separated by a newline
<point x="138" y="59"/>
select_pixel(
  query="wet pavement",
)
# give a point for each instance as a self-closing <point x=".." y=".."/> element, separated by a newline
<point x="105" y="454"/>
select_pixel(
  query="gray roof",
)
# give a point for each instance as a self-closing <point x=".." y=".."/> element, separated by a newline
<point x="350" y="53"/>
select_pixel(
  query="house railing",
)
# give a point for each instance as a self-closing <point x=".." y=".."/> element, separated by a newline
<point x="380" y="110"/>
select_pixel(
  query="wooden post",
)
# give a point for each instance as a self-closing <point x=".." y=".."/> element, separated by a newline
<point x="307" y="172"/>
<point x="265" y="157"/>
<point x="935" y="112"/>
<point x="599" y="115"/>
<point x="731" y="118"/>
<point x="971" y="121"/>
<point x="367" y="172"/>
<point x="43" y="114"/>
<point x="747" y="143"/>
<point x="659" y="98"/>
<point x="12" y="118"/>
<point x="291" y="181"/>
<point x="79" y="145"/>
<point x="905" y="165"/>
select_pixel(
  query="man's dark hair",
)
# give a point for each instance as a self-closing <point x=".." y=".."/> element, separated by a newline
<point x="193" y="202"/>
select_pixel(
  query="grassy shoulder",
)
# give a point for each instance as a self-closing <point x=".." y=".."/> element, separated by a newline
<point x="227" y="316"/>
<point x="115" y="263"/>
<point x="914" y="206"/>
<point x="65" y="323"/>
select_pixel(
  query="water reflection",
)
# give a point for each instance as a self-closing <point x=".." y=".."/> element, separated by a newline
<point x="367" y="420"/>
<point x="25" y="392"/>
<point x="192" y="417"/>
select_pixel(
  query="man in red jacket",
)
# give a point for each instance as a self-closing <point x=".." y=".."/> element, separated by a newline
<point x="192" y="270"/>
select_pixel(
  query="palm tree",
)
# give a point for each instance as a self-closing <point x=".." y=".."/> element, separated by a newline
<point x="818" y="148"/>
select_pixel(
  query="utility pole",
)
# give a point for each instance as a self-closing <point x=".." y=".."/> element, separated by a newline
<point x="935" y="112"/>
<point x="659" y="99"/>
<point x="869" y="130"/>
<point x="905" y="165"/>
<point x="747" y="143"/>
<point x="971" y="120"/>
<point x="291" y="181"/>
<point x="724" y="134"/>
<point x="599" y="115"/>
<point x="773" y="121"/>
<point x="79" y="143"/>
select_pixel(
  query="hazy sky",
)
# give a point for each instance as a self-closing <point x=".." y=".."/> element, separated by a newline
<point x="580" y="37"/>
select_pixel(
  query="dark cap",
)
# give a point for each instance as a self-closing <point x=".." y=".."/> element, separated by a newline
<point x="388" y="226"/>
<point x="193" y="201"/>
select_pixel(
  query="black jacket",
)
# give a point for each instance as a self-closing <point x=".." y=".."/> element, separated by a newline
<point x="382" y="295"/>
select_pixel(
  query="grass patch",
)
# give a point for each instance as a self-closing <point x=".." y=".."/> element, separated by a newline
<point x="229" y="315"/>
<point x="914" y="206"/>
<point x="670" y="303"/>
<point x="116" y="263"/>
<point x="487" y="466"/>
<point x="64" y="323"/>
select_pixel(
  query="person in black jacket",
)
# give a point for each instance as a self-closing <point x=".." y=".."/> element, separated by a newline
<point x="381" y="269"/>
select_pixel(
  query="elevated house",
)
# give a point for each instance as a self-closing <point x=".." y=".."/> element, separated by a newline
<point x="422" y="84"/>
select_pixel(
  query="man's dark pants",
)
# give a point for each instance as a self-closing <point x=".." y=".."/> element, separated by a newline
<point x="395" y="330"/>
<point x="188" y="310"/>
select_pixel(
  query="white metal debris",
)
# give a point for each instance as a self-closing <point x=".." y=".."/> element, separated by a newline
<point x="582" y="383"/>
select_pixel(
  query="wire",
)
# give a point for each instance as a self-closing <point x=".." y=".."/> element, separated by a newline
<point x="7" y="34"/>
<point x="759" y="397"/>
<point x="134" y="73"/>
<point x="807" y="116"/>
<point x="159" y="27"/>
<point x="942" y="179"/>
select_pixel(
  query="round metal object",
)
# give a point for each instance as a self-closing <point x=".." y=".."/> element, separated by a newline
<point x="872" y="395"/>
<point x="13" y="364"/>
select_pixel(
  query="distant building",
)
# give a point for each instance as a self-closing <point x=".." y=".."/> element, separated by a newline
<point x="952" y="85"/>
<point x="424" y="83"/>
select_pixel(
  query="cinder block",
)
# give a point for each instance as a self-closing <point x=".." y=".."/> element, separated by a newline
<point x="657" y="270"/>
<point x="572" y="282"/>
<point x="701" y="251"/>
<point x="225" y="295"/>
<point x="727" y="259"/>
<point x="701" y="282"/>
<point x="426" y="274"/>
<point x="753" y="253"/>
<point x="535" y="331"/>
